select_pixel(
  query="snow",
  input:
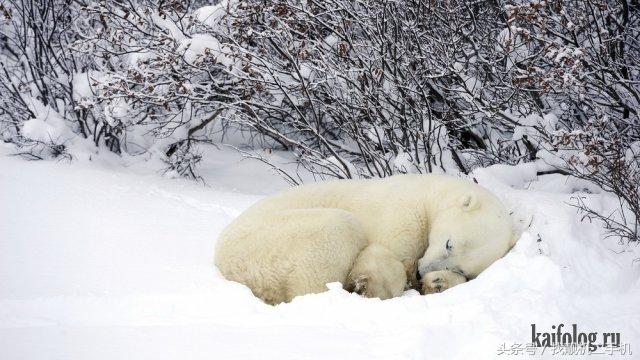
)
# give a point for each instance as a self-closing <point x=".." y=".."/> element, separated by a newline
<point x="101" y="261"/>
<point x="214" y="15"/>
<point x="402" y="162"/>
<point x="46" y="126"/>
<point x="203" y="44"/>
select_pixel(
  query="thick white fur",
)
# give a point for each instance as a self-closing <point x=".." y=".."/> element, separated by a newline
<point x="295" y="242"/>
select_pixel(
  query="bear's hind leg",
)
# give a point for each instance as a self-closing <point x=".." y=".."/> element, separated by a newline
<point x="326" y="252"/>
<point x="286" y="253"/>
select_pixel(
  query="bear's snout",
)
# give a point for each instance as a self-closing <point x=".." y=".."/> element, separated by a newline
<point x="427" y="267"/>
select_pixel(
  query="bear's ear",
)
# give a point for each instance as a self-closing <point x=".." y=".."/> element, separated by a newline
<point x="469" y="202"/>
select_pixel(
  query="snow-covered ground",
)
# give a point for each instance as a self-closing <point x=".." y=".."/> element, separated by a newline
<point x="99" y="261"/>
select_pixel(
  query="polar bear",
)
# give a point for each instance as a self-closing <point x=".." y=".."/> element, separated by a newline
<point x="371" y="235"/>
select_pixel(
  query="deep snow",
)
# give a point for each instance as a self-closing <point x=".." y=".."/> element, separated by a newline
<point x="98" y="261"/>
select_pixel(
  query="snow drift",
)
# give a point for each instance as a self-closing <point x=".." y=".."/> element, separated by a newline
<point x="98" y="262"/>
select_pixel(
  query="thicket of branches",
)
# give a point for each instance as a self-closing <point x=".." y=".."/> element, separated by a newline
<point x="352" y="88"/>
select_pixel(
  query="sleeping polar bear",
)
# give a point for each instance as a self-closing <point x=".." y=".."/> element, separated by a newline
<point x="366" y="234"/>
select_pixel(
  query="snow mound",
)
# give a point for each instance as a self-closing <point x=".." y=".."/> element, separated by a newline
<point x="46" y="125"/>
<point x="99" y="262"/>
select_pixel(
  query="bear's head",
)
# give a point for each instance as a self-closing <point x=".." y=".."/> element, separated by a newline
<point x="467" y="236"/>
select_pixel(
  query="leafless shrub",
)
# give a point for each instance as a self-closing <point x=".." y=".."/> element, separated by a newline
<point x="586" y="72"/>
<point x="353" y="89"/>
<point x="37" y="71"/>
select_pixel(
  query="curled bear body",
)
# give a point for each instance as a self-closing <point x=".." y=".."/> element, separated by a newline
<point x="371" y="235"/>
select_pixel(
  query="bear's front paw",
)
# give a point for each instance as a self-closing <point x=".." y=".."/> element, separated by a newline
<point x="375" y="285"/>
<point x="356" y="284"/>
<point x="439" y="281"/>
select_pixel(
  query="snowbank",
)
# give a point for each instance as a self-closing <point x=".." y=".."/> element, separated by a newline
<point x="111" y="263"/>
